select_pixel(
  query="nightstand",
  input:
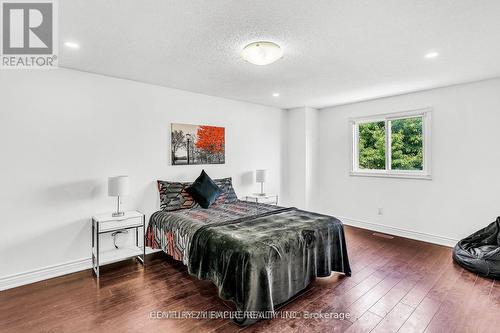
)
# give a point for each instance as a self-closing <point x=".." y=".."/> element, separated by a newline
<point x="106" y="223"/>
<point x="271" y="199"/>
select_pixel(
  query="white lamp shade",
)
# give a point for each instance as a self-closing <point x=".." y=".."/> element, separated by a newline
<point x="261" y="176"/>
<point x="118" y="186"/>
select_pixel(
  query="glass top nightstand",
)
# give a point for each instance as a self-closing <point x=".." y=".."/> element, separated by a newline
<point x="271" y="199"/>
<point x="106" y="223"/>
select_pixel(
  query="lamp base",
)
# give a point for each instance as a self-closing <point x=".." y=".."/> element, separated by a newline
<point x="261" y="194"/>
<point x="118" y="213"/>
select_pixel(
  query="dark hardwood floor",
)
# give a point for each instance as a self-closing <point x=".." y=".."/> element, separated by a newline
<point x="397" y="285"/>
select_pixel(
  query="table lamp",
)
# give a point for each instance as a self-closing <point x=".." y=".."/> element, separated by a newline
<point x="118" y="186"/>
<point x="261" y="177"/>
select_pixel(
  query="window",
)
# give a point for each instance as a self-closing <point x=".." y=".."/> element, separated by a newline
<point x="392" y="145"/>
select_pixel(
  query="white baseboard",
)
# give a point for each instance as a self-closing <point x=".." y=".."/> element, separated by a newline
<point x="421" y="236"/>
<point x="45" y="273"/>
<point x="48" y="272"/>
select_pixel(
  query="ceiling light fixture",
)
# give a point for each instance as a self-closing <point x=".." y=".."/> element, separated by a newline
<point x="262" y="53"/>
<point x="432" y="55"/>
<point x="72" y="45"/>
<point x="276" y="94"/>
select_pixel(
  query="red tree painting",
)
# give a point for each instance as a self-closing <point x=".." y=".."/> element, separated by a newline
<point x="197" y="144"/>
<point x="211" y="141"/>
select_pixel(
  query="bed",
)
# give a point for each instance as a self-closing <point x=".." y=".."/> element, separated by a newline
<point x="259" y="256"/>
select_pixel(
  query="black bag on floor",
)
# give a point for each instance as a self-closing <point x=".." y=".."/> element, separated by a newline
<point x="480" y="252"/>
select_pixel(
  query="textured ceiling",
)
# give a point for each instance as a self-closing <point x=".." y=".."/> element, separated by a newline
<point x="336" y="52"/>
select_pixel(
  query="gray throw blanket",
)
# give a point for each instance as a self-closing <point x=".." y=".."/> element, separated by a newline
<point x="259" y="262"/>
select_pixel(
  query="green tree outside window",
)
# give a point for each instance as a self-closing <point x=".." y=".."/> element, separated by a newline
<point x="406" y="144"/>
<point x="372" y="145"/>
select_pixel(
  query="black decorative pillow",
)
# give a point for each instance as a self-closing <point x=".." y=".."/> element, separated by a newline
<point x="173" y="196"/>
<point x="227" y="194"/>
<point x="203" y="190"/>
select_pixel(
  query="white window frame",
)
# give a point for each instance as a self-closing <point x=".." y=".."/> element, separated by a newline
<point x="387" y="118"/>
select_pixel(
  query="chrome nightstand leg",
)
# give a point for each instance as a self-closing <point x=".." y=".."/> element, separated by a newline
<point x="139" y="257"/>
<point x="95" y="247"/>
<point x="97" y="251"/>
<point x="137" y="237"/>
<point x="142" y="257"/>
<point x="93" y="244"/>
<point x="144" y="240"/>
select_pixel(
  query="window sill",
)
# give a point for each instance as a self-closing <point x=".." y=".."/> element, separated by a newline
<point x="390" y="175"/>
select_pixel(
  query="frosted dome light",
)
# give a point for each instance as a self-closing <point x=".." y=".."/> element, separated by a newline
<point x="262" y="53"/>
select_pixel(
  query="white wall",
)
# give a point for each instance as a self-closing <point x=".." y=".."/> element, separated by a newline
<point x="463" y="194"/>
<point x="312" y="154"/>
<point x="295" y="162"/>
<point x="300" y="165"/>
<point x="63" y="132"/>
